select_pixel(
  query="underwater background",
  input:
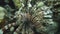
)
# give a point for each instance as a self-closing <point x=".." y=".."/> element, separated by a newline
<point x="29" y="16"/>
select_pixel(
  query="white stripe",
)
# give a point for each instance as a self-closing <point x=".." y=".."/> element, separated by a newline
<point x="6" y="27"/>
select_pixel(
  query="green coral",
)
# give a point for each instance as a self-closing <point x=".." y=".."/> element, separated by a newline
<point x="17" y="3"/>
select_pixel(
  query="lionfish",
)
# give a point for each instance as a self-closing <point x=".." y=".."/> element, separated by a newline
<point x="30" y="21"/>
